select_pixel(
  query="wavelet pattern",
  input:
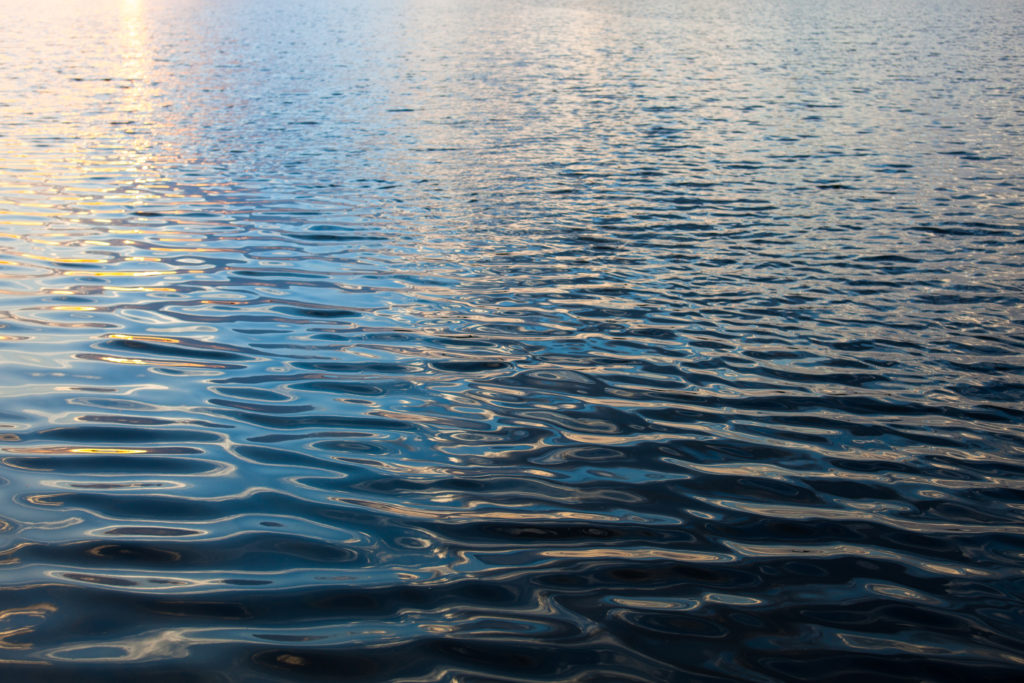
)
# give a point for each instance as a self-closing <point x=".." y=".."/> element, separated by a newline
<point x="521" y="341"/>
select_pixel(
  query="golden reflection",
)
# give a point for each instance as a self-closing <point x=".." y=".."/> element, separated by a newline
<point x="47" y="500"/>
<point x="77" y="450"/>
<point x="157" y="363"/>
<point x="109" y="451"/>
<point x="875" y="644"/>
<point x="406" y="469"/>
<point x="901" y="593"/>
<point x="10" y="555"/>
<point x="473" y="515"/>
<point x="142" y="337"/>
<point x="123" y="273"/>
<point x="438" y="629"/>
<point x="38" y="612"/>
<point x="191" y="250"/>
<point x="135" y="69"/>
<point x="848" y="550"/>
<point x="656" y="604"/>
<point x="59" y="523"/>
<point x="732" y="599"/>
<point x="638" y="554"/>
<point x="163" y="645"/>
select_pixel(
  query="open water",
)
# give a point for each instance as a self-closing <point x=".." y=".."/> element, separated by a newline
<point x="522" y="340"/>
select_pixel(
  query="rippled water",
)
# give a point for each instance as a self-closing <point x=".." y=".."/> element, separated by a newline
<point x="512" y="341"/>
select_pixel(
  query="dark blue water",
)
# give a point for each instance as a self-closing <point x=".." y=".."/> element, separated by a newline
<point x="512" y="340"/>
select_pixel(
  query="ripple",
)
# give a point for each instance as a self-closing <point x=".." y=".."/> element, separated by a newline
<point x="519" y="342"/>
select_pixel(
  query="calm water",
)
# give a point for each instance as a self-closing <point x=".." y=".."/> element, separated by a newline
<point x="512" y="340"/>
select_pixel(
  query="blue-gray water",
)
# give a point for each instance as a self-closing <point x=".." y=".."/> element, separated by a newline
<point x="512" y="340"/>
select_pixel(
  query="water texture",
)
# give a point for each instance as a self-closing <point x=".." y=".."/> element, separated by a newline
<point x="512" y="340"/>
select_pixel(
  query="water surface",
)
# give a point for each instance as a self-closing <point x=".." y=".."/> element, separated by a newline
<point x="512" y="341"/>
